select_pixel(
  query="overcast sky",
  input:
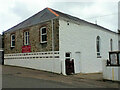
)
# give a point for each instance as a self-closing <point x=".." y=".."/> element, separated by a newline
<point x="104" y="13"/>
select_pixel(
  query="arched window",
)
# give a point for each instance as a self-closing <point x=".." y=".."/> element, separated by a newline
<point x="98" y="42"/>
<point x="111" y="44"/>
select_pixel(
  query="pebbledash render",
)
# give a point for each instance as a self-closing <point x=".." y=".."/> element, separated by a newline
<point x="47" y="39"/>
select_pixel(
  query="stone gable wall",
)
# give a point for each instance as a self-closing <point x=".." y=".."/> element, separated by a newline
<point x="34" y="37"/>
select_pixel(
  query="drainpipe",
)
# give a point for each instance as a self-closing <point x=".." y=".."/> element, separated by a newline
<point x="3" y="48"/>
<point x="53" y="41"/>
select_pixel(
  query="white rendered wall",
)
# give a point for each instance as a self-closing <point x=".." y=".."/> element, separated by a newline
<point x="82" y="38"/>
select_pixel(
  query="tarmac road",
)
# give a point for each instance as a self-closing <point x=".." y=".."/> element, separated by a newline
<point x="17" y="77"/>
<point x="10" y="81"/>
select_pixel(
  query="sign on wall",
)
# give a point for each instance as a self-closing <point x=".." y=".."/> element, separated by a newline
<point x="26" y="49"/>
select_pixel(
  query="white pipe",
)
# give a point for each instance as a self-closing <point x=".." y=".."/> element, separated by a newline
<point x="53" y="42"/>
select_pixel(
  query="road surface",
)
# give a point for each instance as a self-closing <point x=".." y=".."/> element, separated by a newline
<point x="16" y="77"/>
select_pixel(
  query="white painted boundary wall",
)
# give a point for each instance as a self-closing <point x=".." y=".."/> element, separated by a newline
<point x="111" y="72"/>
<point x="46" y="61"/>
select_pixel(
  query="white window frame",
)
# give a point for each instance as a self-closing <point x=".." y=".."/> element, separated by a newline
<point x="12" y="40"/>
<point x="26" y="38"/>
<point x="43" y="34"/>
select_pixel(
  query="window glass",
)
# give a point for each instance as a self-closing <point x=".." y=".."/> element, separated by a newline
<point x="44" y="38"/>
<point x="98" y="45"/>
<point x="119" y="58"/>
<point x="113" y="59"/>
<point x="13" y="40"/>
<point x="44" y="31"/>
<point x="67" y="55"/>
<point x="25" y="33"/>
<point x="98" y="54"/>
<point x="13" y="43"/>
<point x="111" y="44"/>
<point x="26" y="38"/>
<point x="13" y="37"/>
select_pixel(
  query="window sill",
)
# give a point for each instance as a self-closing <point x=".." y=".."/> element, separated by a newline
<point x="26" y="45"/>
<point x="44" y="42"/>
<point x="99" y="57"/>
<point x="113" y="65"/>
<point x="12" y="47"/>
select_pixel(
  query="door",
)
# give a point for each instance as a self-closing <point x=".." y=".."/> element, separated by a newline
<point x="77" y="62"/>
<point x="69" y="63"/>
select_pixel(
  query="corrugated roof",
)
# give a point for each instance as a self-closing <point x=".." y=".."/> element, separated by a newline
<point x="47" y="14"/>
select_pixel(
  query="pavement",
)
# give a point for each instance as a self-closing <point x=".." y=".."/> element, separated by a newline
<point x="94" y="80"/>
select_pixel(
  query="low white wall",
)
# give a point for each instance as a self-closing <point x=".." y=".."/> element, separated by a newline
<point x="46" y="64"/>
<point x="52" y="65"/>
<point x="111" y="72"/>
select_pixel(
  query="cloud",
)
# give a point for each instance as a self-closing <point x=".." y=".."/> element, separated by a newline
<point x="13" y="12"/>
<point x="20" y="10"/>
<point x="103" y="12"/>
<point x="7" y="19"/>
<point x="83" y="0"/>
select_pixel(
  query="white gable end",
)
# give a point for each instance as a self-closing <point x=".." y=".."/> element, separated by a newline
<point x="82" y="38"/>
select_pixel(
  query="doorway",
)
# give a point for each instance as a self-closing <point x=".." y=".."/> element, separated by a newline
<point x="77" y="62"/>
<point x="69" y="63"/>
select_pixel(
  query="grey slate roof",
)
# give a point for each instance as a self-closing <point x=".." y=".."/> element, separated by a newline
<point x="80" y="20"/>
<point x="41" y="16"/>
<point x="45" y="15"/>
